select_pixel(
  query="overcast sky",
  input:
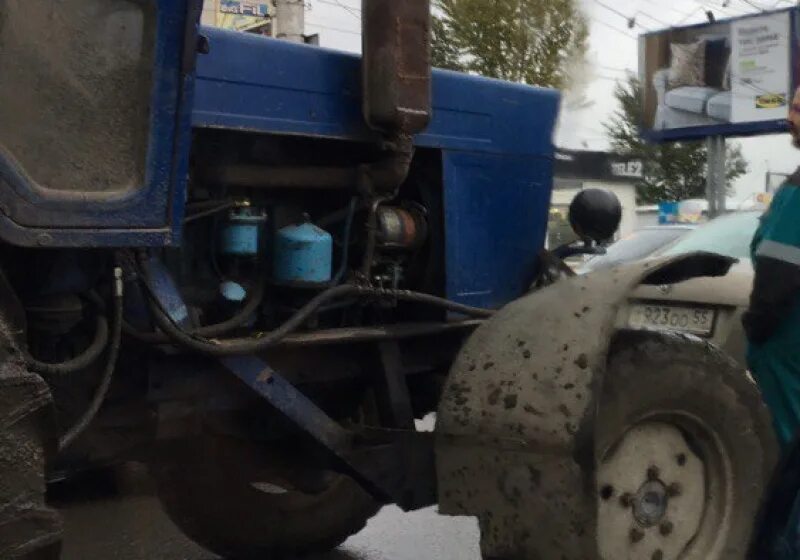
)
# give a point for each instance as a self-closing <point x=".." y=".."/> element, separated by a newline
<point x="612" y="50"/>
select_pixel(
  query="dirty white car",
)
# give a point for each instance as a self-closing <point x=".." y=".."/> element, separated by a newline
<point x="709" y="307"/>
<point x="636" y="246"/>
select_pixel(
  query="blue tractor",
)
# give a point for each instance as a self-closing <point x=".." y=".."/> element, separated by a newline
<point x="251" y="264"/>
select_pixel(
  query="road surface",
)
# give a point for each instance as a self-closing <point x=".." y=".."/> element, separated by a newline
<point x="102" y="526"/>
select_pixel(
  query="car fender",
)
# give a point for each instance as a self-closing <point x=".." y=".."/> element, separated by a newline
<point x="515" y="427"/>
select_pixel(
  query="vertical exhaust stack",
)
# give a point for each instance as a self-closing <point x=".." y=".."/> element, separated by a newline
<point x="396" y="82"/>
<point x="397" y="65"/>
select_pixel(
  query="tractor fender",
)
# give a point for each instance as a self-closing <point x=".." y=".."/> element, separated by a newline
<point x="516" y="423"/>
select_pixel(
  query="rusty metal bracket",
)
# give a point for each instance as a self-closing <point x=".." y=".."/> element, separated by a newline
<point x="395" y="466"/>
<point x="290" y="402"/>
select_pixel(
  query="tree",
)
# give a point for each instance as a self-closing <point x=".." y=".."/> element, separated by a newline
<point x="672" y="171"/>
<point x="530" y="41"/>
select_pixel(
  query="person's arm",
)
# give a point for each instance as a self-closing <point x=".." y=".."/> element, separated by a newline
<point x="776" y="285"/>
<point x="775" y="291"/>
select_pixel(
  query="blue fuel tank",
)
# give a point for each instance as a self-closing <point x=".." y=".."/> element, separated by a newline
<point x="302" y="254"/>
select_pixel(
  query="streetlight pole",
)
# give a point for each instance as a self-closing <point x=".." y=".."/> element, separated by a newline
<point x="715" y="176"/>
<point x="290" y="20"/>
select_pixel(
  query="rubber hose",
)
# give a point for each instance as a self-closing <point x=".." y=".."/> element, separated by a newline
<point x="82" y="361"/>
<point x="251" y="306"/>
<point x="348" y="227"/>
<point x="105" y="382"/>
<point x="419" y="297"/>
<point x="236" y="346"/>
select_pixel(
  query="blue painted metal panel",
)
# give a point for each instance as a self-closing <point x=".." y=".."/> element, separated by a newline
<point x="259" y="84"/>
<point x="496" y="137"/>
<point x="149" y="215"/>
<point x="496" y="212"/>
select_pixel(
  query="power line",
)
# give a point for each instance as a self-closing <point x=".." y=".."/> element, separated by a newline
<point x="609" y="78"/>
<point x="690" y="15"/>
<point x="754" y="5"/>
<point x="353" y="11"/>
<point x="612" y="69"/>
<point x="329" y="28"/>
<point x="614" y="28"/>
<point x="631" y="20"/>
<point x="723" y="7"/>
<point x="661" y="6"/>
<point x="655" y="19"/>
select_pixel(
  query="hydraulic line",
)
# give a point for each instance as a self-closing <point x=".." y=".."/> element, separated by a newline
<point x="240" y="318"/>
<point x="105" y="381"/>
<point x="261" y="341"/>
<point x="82" y="361"/>
<point x="348" y="227"/>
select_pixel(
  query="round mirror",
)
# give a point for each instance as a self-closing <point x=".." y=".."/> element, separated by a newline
<point x="595" y="214"/>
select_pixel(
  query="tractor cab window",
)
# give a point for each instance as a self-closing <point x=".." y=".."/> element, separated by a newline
<point x="75" y="92"/>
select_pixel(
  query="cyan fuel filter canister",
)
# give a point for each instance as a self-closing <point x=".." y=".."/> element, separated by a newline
<point x="242" y="232"/>
<point x="302" y="253"/>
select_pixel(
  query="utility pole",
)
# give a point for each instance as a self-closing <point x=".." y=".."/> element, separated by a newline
<point x="715" y="176"/>
<point x="290" y="20"/>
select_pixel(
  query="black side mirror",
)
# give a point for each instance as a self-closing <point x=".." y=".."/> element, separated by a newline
<point x="595" y="214"/>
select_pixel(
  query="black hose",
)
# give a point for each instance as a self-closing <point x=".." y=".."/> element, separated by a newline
<point x="217" y="329"/>
<point x="348" y="227"/>
<point x="209" y="212"/>
<point x="236" y="346"/>
<point x="105" y="381"/>
<point x="419" y="297"/>
<point x="240" y="318"/>
<point x="248" y="345"/>
<point x="82" y="361"/>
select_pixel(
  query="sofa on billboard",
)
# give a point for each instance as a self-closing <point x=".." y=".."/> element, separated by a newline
<point x="695" y="89"/>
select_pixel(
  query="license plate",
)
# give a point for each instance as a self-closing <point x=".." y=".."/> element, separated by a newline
<point x="694" y="320"/>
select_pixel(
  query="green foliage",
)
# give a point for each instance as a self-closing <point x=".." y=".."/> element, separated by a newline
<point x="528" y="41"/>
<point x="673" y="171"/>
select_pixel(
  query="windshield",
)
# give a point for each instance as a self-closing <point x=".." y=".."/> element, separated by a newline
<point x="636" y="246"/>
<point x="729" y="235"/>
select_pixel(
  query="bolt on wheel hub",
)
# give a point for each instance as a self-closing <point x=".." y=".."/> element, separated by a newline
<point x="651" y="494"/>
<point x="650" y="503"/>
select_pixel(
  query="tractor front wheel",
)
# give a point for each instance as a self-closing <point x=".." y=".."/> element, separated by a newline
<point x="237" y="500"/>
<point x="685" y="449"/>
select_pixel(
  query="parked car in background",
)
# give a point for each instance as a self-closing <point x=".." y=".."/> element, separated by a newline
<point x="707" y="307"/>
<point x="640" y="244"/>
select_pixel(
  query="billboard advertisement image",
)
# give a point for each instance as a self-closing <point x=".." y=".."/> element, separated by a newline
<point x="726" y="78"/>
<point x="242" y="15"/>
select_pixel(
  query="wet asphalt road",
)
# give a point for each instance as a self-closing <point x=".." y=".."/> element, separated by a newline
<point x="134" y="527"/>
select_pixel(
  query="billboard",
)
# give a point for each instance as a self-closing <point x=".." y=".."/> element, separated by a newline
<point x="242" y="15"/>
<point x="728" y="78"/>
